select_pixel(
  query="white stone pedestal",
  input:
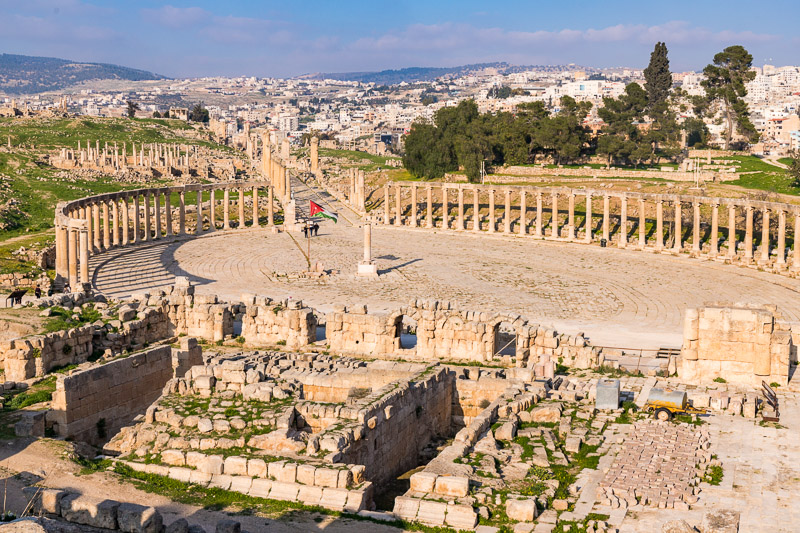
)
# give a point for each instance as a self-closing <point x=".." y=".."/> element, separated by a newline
<point x="367" y="269"/>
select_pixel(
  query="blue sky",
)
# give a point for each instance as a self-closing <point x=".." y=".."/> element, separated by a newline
<point x="267" y="38"/>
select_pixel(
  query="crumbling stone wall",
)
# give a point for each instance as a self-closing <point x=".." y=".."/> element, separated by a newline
<point x="113" y="393"/>
<point x="444" y="332"/>
<point x="392" y="429"/>
<point x="266" y="321"/>
<point x="36" y="355"/>
<point x="739" y="344"/>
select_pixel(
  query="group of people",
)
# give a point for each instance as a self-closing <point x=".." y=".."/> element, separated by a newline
<point x="311" y="231"/>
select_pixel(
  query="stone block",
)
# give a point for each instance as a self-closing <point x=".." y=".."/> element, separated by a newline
<point x="677" y="526"/>
<point x="607" y="394"/>
<point x="406" y="508"/>
<point x="173" y="458"/>
<point x="260" y="488"/>
<point x="31" y="424"/>
<point x="547" y="413"/>
<point x="431" y="513"/>
<point x="461" y="516"/>
<point x="326" y="477"/>
<point x="456" y="486"/>
<point x="133" y="518"/>
<point x="221" y="481"/>
<point x="284" y="491"/>
<point x="305" y="474"/>
<point x="423" y="481"/>
<point x="89" y="511"/>
<point x="181" y="525"/>
<point x="257" y="468"/>
<point x="211" y="464"/>
<point x="573" y="444"/>
<point x="521" y="510"/>
<point x="236" y="466"/>
<point x="507" y="431"/>
<point x="309" y="495"/>
<point x="334" y="499"/>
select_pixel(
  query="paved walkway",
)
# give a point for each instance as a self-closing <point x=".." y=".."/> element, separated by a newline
<point x="622" y="298"/>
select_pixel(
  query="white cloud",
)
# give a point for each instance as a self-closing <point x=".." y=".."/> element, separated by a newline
<point x="176" y="17"/>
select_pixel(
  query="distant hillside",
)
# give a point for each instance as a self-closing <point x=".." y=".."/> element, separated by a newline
<point x="28" y="74"/>
<point x="415" y="74"/>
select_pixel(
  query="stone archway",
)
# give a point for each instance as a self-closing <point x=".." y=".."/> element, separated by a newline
<point x="405" y="330"/>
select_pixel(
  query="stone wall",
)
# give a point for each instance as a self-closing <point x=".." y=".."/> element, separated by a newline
<point x="444" y="332"/>
<point x="739" y="344"/>
<point x="114" y="393"/>
<point x="397" y="422"/>
<point x="616" y="173"/>
<point x="36" y="355"/>
<point x="269" y="322"/>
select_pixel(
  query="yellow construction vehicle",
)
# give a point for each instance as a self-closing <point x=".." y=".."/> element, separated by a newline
<point x="666" y="403"/>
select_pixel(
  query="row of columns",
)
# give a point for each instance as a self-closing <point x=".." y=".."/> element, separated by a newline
<point x="713" y="248"/>
<point x="104" y="223"/>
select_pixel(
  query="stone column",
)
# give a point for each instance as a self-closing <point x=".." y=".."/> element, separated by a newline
<point x="168" y="211"/>
<point x="731" y="230"/>
<point x="136" y="226"/>
<point x="642" y="225"/>
<point x="157" y="213"/>
<point x="199" y="228"/>
<point x="606" y="218"/>
<point x="571" y="217"/>
<point x="147" y="233"/>
<point x="492" y="220"/>
<point x="714" y="229"/>
<point x="397" y="206"/>
<point x="367" y="267"/>
<point x="125" y="221"/>
<point x="623" y="222"/>
<point x="539" y="215"/>
<point x="386" y="205"/>
<point x="84" y="254"/>
<point x="659" y="225"/>
<point x="89" y="228"/>
<point x="696" y="227"/>
<point x="678" y="227"/>
<point x="476" y="210"/>
<point x="241" y="209"/>
<point x="764" y="235"/>
<point x="212" y="212"/>
<point x="445" y="208"/>
<point x="413" y="221"/>
<point x="255" y="208"/>
<point x="523" y="215"/>
<point x="781" y="260"/>
<point x="115" y="222"/>
<point x="460" y="220"/>
<point x="748" y="233"/>
<point x="96" y="221"/>
<point x="73" y="258"/>
<point x="226" y="209"/>
<point x="507" y="213"/>
<point x="796" y="244"/>
<point x="587" y="218"/>
<point x="106" y="234"/>
<point x="62" y="251"/>
<point x="270" y="206"/>
<point x="554" y="221"/>
<point x="182" y="213"/>
<point x="428" y="207"/>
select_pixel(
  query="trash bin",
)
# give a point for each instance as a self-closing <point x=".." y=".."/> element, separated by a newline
<point x="603" y="243"/>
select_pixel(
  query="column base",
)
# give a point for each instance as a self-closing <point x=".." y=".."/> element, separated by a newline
<point x="367" y="269"/>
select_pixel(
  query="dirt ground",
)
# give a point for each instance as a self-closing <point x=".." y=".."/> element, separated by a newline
<point x="27" y="461"/>
<point x="19" y="322"/>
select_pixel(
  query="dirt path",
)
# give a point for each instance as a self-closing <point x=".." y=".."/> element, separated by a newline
<point x="25" y="461"/>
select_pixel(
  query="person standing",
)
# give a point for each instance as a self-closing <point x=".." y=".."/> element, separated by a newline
<point x="315" y="227"/>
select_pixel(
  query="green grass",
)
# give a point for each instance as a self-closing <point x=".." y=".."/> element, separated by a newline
<point x="61" y="318"/>
<point x="720" y="380"/>
<point x="361" y="160"/>
<point x="764" y="176"/>
<point x="713" y="475"/>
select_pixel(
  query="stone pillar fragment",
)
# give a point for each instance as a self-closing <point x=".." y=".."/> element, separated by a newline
<point x="587" y="218"/>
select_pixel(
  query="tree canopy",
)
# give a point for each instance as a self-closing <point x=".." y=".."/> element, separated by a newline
<point x="198" y="113"/>
<point x="725" y="83"/>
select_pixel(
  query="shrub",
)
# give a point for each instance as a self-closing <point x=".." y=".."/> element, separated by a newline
<point x="720" y="380"/>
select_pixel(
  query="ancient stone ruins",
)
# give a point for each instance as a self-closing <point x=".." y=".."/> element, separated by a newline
<point x="428" y="413"/>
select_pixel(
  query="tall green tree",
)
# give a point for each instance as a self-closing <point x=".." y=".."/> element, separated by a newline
<point x="725" y="83"/>
<point x="132" y="108"/>
<point x="198" y="113"/>
<point x="794" y="168"/>
<point x="658" y="78"/>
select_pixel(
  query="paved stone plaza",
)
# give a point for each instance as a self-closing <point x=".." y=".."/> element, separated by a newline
<point x="620" y="298"/>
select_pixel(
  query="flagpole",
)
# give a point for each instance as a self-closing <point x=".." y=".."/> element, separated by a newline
<point x="308" y="254"/>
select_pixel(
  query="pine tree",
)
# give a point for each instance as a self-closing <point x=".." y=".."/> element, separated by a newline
<point x="658" y="79"/>
<point x="726" y="81"/>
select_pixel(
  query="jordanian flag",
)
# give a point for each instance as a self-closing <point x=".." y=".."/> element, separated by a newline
<point x="319" y="211"/>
